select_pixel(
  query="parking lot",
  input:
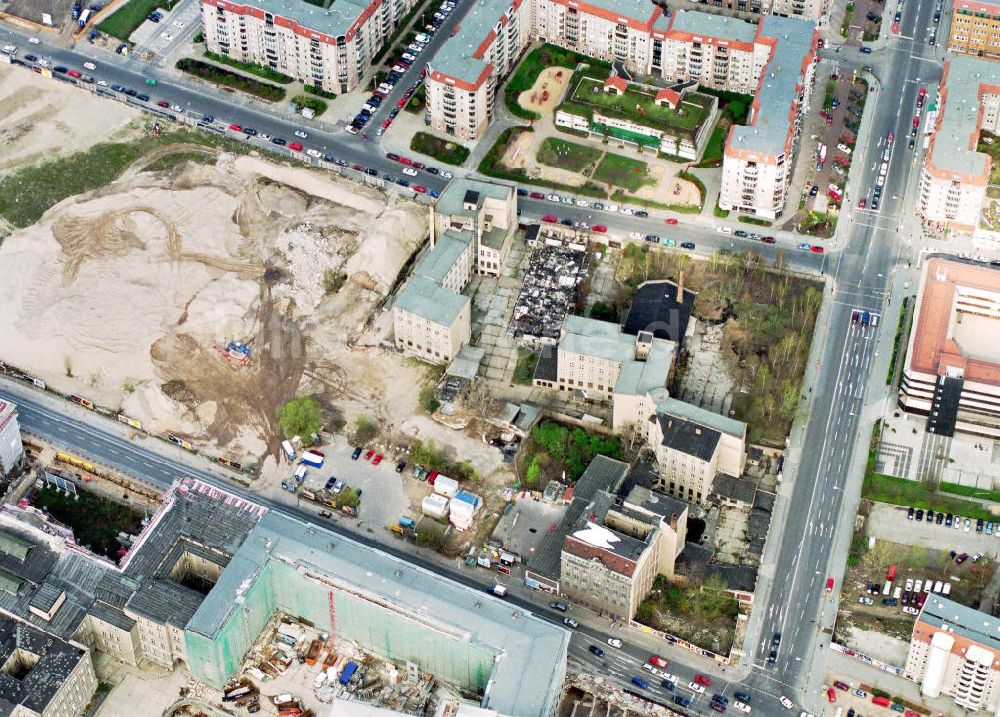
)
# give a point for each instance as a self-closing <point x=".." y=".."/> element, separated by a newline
<point x="889" y="522"/>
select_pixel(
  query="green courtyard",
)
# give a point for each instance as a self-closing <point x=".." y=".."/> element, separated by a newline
<point x="601" y="166"/>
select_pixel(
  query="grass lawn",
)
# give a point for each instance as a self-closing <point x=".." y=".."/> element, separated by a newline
<point x="567" y="155"/>
<point x="265" y="73"/>
<point x="440" y="149"/>
<point x="900" y="491"/>
<point x="95" y="521"/>
<point x="525" y="370"/>
<point x="970" y="492"/>
<point x="704" y="614"/>
<point x="712" y="156"/>
<point x="170" y="161"/>
<point x="989" y="143"/>
<point x="314" y="103"/>
<point x="623" y="172"/>
<point x="126" y="19"/>
<point x="29" y="192"/>
<point x="533" y="63"/>
<point x="638" y="106"/>
<point x="232" y="80"/>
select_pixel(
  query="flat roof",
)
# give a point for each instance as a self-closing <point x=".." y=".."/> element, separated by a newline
<point x="944" y="614"/>
<point x="436" y="263"/>
<point x="531" y="652"/>
<point x="56" y="661"/>
<point x="779" y="88"/>
<point x="933" y="348"/>
<point x="638" y="378"/>
<point x="724" y="424"/>
<point x="452" y="199"/>
<point x="335" y="21"/>
<point x="431" y="301"/>
<point x="953" y="147"/>
<point x="719" y="26"/>
<point x="590" y="337"/>
<point x="456" y="56"/>
<point x="655" y="503"/>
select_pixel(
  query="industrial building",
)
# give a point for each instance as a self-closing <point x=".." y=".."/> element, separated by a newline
<point x="330" y="48"/>
<point x="955" y="651"/>
<point x="11" y="448"/>
<point x="210" y="569"/>
<point x="951" y="372"/>
<point x="955" y="174"/>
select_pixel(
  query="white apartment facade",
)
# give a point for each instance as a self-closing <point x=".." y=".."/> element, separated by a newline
<point x="11" y="448"/>
<point x="328" y="49"/>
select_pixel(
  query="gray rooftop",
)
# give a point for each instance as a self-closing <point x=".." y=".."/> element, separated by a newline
<point x="112" y="616"/>
<point x="780" y="86"/>
<point x="655" y="503"/>
<point x="738" y="489"/>
<point x="602" y="473"/>
<point x="594" y="513"/>
<point x="687" y="437"/>
<point x="527" y="679"/>
<point x="436" y="263"/>
<point x="452" y="199"/>
<point x="427" y="299"/>
<point x="56" y="661"/>
<point x="455" y="57"/>
<point x="724" y="424"/>
<point x="640" y="377"/>
<point x="719" y="26"/>
<point x="335" y="21"/>
<point x="590" y="337"/>
<point x="948" y="615"/>
<point x="953" y="149"/>
<point x="466" y="363"/>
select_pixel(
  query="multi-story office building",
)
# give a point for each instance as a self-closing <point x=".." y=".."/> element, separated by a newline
<point x="975" y="29"/>
<point x="11" y="448"/>
<point x="330" y="48"/>
<point x="952" y="369"/>
<point x="484" y="211"/>
<point x="956" y="174"/>
<point x="955" y="651"/>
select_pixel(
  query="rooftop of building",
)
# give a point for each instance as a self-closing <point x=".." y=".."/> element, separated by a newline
<point x="441" y="258"/>
<point x="655" y="308"/>
<point x="602" y="339"/>
<point x="977" y="6"/>
<point x="719" y="26"/>
<point x="456" y="58"/>
<point x="526" y="680"/>
<point x="547" y="368"/>
<point x="671" y="406"/>
<point x="936" y="347"/>
<point x="454" y="196"/>
<point x="736" y="489"/>
<point x="335" y="21"/>
<point x="944" y="614"/>
<point x="954" y="144"/>
<point x="653" y="503"/>
<point x="466" y="363"/>
<point x="602" y="473"/>
<point x="701" y="560"/>
<point x="32" y="686"/>
<point x="590" y="537"/>
<point x="794" y="42"/>
<point x="688" y="437"/>
<point x="430" y="301"/>
<point x="638" y="378"/>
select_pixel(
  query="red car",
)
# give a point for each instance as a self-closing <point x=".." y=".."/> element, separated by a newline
<point x="295" y="146"/>
<point x="599" y="228"/>
<point x="657" y="661"/>
<point x="405" y="160"/>
<point x="537" y="195"/>
<point x="820" y="250"/>
<point x="768" y="240"/>
<point x="164" y="103"/>
<point x="368" y="454"/>
<point x="550" y="219"/>
<point x="841" y="685"/>
<point x="74" y="73"/>
<point x="703" y="680"/>
<point x="385" y="125"/>
<point x="418" y="165"/>
<point x="916" y="121"/>
<point x="829" y="581"/>
<point x="831" y="694"/>
<point x="377" y="459"/>
<point x="419" y="188"/>
<point x="671" y="221"/>
<point x="401" y="104"/>
<point x="432" y="477"/>
<point x="233" y="127"/>
<point x="862" y="203"/>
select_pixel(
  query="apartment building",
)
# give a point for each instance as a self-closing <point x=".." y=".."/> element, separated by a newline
<point x="952" y="368"/>
<point x="816" y="10"/>
<point x="955" y="651"/>
<point x="955" y="175"/>
<point x="484" y="211"/>
<point x="330" y="48"/>
<point x="431" y="318"/>
<point x="464" y="75"/>
<point x="759" y="156"/>
<point x="975" y="29"/>
<point x="11" y="448"/>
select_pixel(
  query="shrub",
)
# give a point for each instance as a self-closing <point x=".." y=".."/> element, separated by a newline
<point x="300" y="417"/>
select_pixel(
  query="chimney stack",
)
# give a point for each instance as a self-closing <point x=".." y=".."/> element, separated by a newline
<point x="680" y="288"/>
<point x="430" y="211"/>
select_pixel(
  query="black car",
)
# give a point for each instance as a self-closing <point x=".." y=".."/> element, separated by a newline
<point x="776" y="640"/>
<point x="142" y="98"/>
<point x="920" y="514"/>
<point x="939" y="518"/>
<point x="948" y="520"/>
<point x="910" y="512"/>
<point x="392" y="155"/>
<point x="814" y="191"/>
<point x="740" y="233"/>
<point x="687" y="245"/>
<point x="60" y="69"/>
<point x="128" y="92"/>
<point x="30" y="58"/>
<point x="356" y="454"/>
<point x="330" y="482"/>
<point x="249" y="131"/>
<point x="642" y="214"/>
<point x="279" y="141"/>
<point x="930" y="515"/>
<point x="721" y="699"/>
<point x="742" y="697"/>
<point x="435" y="170"/>
<point x="668" y="685"/>
<point x="594" y="649"/>
<point x="371" y="172"/>
<point x="567" y="222"/>
<point x="520" y="192"/>
<point x="403" y="182"/>
<point x="207" y="118"/>
<point x="117" y="88"/>
<point x="772" y="657"/>
<point x="561" y="607"/>
<point x="682" y="700"/>
<point x="979" y="525"/>
<point x="401" y="466"/>
<point x="889" y="602"/>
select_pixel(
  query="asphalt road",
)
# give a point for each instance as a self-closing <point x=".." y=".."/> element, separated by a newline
<point x="795" y="603"/>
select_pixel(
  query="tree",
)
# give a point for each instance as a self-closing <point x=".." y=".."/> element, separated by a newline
<point x="348" y="497"/>
<point x="533" y="473"/>
<point x="333" y="280"/>
<point x="365" y="430"/>
<point x="300" y="417"/>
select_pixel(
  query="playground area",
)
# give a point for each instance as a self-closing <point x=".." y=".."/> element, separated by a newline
<point x="547" y="92"/>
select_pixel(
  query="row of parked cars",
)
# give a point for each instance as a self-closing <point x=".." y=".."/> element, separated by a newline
<point x="953" y="521"/>
<point x="743" y="234"/>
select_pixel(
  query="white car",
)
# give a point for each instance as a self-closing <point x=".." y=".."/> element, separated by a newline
<point x="739" y="706"/>
<point x="910" y="610"/>
<point x="614" y="642"/>
<point x="89" y="66"/>
<point x="301" y="133"/>
<point x="409" y="171"/>
<point x="34" y="41"/>
<point x="102" y="83"/>
<point x="635" y="235"/>
<point x="447" y="175"/>
<point x="166" y="36"/>
<point x="176" y="108"/>
<point x="264" y="137"/>
<point x="696" y="688"/>
<point x="582" y="203"/>
<point x="724" y="230"/>
<point x="314" y="153"/>
<point x="611" y="207"/>
<point x="178" y="23"/>
<point x="43" y="62"/>
<point x="626" y="210"/>
<point x="567" y="200"/>
<point x="785" y="702"/>
<point x="669" y="678"/>
<point x="553" y="198"/>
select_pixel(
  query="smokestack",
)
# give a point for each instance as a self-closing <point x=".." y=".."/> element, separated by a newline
<point x="430" y="211"/>
<point x="680" y="288"/>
